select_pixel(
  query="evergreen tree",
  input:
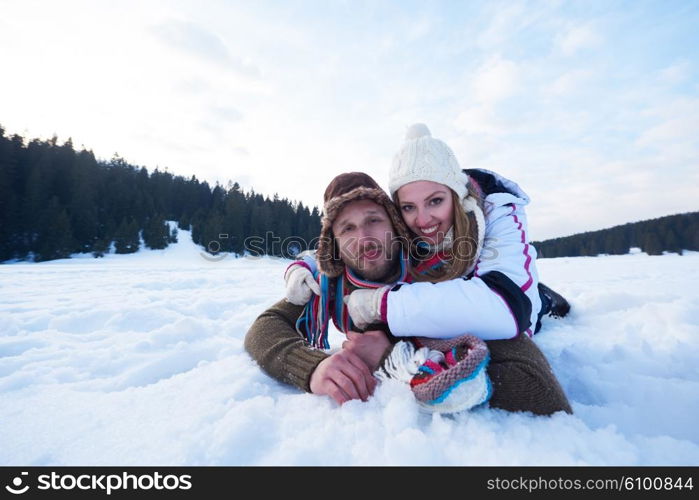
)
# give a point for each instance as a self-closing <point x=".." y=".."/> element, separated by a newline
<point x="100" y="247"/>
<point x="83" y="207"/>
<point x="55" y="238"/>
<point x="651" y="244"/>
<point x="670" y="240"/>
<point x="691" y="234"/>
<point x="618" y="243"/>
<point x="156" y="233"/>
<point x="213" y="238"/>
<point x="126" y="239"/>
<point x="184" y="223"/>
<point x="233" y="219"/>
<point x="9" y="199"/>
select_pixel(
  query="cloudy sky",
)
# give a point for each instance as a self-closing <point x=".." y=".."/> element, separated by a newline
<point x="591" y="106"/>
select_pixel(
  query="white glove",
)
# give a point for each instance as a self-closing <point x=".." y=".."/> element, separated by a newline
<point x="365" y="306"/>
<point x="300" y="285"/>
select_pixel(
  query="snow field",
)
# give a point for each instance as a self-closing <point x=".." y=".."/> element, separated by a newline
<point x="139" y="360"/>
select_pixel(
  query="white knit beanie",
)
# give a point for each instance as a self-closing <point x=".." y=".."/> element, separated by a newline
<point x="424" y="158"/>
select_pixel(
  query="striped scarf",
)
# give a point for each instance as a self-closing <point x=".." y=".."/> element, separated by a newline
<point x="315" y="318"/>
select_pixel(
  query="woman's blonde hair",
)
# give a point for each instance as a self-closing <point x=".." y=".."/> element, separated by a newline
<point x="462" y="254"/>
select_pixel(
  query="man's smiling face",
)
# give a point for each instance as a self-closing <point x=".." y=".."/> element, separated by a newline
<point x="364" y="235"/>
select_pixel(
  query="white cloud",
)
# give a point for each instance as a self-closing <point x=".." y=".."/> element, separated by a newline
<point x="675" y="73"/>
<point x="502" y="25"/>
<point x="226" y="113"/>
<point x="203" y="44"/>
<point x="420" y="28"/>
<point x="480" y="119"/>
<point x="505" y="21"/>
<point x="570" y="81"/>
<point x="578" y="38"/>
<point x="673" y="137"/>
<point x="495" y="80"/>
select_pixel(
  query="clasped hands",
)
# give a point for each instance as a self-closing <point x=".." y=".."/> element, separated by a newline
<point x="348" y="373"/>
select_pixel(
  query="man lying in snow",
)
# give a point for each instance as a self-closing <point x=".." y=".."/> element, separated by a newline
<point x="287" y="340"/>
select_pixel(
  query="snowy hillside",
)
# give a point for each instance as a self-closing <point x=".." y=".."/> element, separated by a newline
<point x="139" y="359"/>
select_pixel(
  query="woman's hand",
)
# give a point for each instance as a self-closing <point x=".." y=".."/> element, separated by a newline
<point x="300" y="284"/>
<point x="365" y="306"/>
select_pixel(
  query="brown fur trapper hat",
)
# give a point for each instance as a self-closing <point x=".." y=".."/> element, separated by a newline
<point x="344" y="189"/>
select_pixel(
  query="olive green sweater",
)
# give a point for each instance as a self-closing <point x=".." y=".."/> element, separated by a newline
<point x="521" y="377"/>
<point x="279" y="349"/>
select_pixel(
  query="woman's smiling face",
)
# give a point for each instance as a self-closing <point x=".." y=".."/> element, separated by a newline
<point x="427" y="209"/>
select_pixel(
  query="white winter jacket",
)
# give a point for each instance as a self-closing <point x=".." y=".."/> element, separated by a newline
<point x="500" y="299"/>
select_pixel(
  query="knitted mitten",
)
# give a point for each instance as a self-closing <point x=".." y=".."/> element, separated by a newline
<point x="442" y="382"/>
<point x="300" y="284"/>
<point x="460" y="382"/>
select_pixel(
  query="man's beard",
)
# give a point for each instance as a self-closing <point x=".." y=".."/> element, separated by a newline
<point x="385" y="272"/>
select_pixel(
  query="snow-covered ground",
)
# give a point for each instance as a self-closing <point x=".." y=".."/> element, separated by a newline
<point x="139" y="359"/>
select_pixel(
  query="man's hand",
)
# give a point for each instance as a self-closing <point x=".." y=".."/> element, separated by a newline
<point x="343" y="376"/>
<point x="369" y="346"/>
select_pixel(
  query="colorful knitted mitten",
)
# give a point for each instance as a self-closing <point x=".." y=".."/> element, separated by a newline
<point x="446" y="376"/>
<point x="458" y="383"/>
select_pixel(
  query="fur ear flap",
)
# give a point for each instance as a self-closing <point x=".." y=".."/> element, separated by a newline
<point x="328" y="256"/>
